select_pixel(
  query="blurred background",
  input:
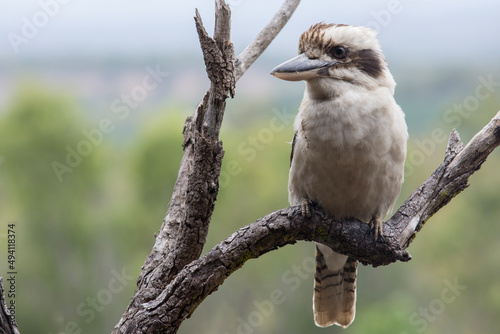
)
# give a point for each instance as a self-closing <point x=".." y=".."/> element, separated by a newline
<point x="93" y="96"/>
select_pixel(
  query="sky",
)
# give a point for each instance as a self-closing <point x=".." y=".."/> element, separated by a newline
<point x="419" y="31"/>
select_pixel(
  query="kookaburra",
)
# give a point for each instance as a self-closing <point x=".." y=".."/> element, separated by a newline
<point x="349" y="148"/>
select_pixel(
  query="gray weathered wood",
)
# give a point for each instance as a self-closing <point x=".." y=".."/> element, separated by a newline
<point x="175" y="280"/>
<point x="185" y="227"/>
<point x="265" y="37"/>
<point x="354" y="238"/>
<point x="8" y="325"/>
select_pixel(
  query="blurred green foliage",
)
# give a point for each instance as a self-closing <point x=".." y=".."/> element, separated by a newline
<point x="81" y="240"/>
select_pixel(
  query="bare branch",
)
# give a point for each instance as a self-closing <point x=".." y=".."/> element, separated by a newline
<point x="218" y="53"/>
<point x="354" y="238"/>
<point x="265" y="37"/>
<point x="185" y="227"/>
<point x="174" y="280"/>
<point x="7" y="321"/>
<point x="447" y="181"/>
<point x="203" y="276"/>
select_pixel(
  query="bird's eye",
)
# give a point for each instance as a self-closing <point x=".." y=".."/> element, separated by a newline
<point x="338" y="52"/>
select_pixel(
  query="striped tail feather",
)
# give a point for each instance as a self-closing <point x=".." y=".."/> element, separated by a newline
<point x="334" y="299"/>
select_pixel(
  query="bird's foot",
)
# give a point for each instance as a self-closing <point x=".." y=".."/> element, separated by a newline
<point x="377" y="227"/>
<point x="305" y="207"/>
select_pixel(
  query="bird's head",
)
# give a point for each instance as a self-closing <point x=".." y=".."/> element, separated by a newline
<point x="333" y="57"/>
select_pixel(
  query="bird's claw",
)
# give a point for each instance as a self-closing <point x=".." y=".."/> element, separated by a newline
<point x="377" y="227"/>
<point x="305" y="207"/>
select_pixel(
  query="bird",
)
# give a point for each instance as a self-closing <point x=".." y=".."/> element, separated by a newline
<point x="348" y="150"/>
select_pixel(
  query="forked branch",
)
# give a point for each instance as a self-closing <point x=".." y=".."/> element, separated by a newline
<point x="265" y="37"/>
<point x="354" y="238"/>
<point x="175" y="280"/>
<point x="185" y="227"/>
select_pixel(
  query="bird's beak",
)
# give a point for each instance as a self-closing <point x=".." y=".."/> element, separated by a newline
<point x="300" y="68"/>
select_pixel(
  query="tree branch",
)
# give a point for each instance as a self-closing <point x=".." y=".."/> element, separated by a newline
<point x="265" y="37"/>
<point x="7" y="321"/>
<point x="174" y="280"/>
<point x="185" y="227"/>
<point x="218" y="53"/>
<point x="202" y="277"/>
<point x="447" y="181"/>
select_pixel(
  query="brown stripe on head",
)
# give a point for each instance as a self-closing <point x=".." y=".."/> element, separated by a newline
<point x="370" y="61"/>
<point x="312" y="39"/>
<point x="367" y="60"/>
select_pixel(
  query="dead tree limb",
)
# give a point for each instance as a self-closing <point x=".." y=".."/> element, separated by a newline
<point x="354" y="238"/>
<point x="185" y="227"/>
<point x="175" y="280"/>
<point x="265" y="37"/>
<point x="7" y="321"/>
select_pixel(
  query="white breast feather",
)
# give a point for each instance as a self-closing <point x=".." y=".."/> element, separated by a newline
<point x="349" y="153"/>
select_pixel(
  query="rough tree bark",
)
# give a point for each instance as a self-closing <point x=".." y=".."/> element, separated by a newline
<point x="185" y="227"/>
<point x="175" y="280"/>
<point x="7" y="322"/>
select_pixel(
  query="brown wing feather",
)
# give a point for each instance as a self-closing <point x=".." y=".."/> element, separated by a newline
<point x="293" y="147"/>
